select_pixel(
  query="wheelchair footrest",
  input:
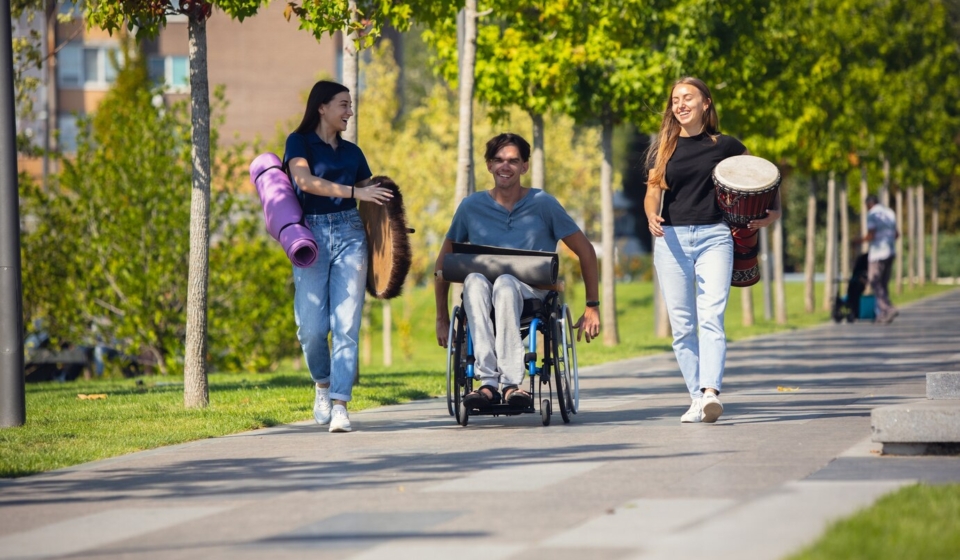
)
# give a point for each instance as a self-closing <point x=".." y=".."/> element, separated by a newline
<point x="502" y="409"/>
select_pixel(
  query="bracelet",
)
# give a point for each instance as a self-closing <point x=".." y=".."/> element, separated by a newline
<point x="352" y="194"/>
<point x="592" y="303"/>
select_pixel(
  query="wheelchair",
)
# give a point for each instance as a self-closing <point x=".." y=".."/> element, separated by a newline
<point x="557" y="370"/>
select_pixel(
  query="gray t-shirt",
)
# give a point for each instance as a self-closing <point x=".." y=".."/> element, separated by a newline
<point x="536" y="223"/>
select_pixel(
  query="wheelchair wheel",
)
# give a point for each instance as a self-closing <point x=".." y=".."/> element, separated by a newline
<point x="453" y="359"/>
<point x="463" y="415"/>
<point x="545" y="412"/>
<point x="565" y="360"/>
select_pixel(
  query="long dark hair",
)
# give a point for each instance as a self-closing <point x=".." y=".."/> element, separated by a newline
<point x="660" y="152"/>
<point x="322" y="93"/>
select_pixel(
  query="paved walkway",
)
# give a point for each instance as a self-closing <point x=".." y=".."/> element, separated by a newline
<point x="624" y="480"/>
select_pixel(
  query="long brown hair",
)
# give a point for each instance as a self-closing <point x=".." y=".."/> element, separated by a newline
<point x="662" y="150"/>
<point x="322" y="93"/>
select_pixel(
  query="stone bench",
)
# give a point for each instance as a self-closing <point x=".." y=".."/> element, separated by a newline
<point x="922" y="427"/>
<point x="943" y="385"/>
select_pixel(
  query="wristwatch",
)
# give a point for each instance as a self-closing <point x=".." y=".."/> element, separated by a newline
<point x="593" y="303"/>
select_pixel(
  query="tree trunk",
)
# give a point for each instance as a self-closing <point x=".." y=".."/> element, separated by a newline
<point x="468" y="52"/>
<point x="351" y="79"/>
<point x="864" y="246"/>
<point x="885" y="188"/>
<point x="779" y="285"/>
<point x="387" y="330"/>
<point x="195" y="388"/>
<point x="844" y="207"/>
<point x="921" y="240"/>
<point x="608" y="316"/>
<point x="366" y="346"/>
<point x="830" y="268"/>
<point x="810" y="258"/>
<point x="911" y="237"/>
<point x="51" y="90"/>
<point x="766" y="270"/>
<point x="746" y="305"/>
<point x="538" y="163"/>
<point x="351" y="74"/>
<point x="898" y="266"/>
<point x="935" y="241"/>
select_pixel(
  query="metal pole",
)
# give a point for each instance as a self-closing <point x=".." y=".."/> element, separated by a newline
<point x="12" y="400"/>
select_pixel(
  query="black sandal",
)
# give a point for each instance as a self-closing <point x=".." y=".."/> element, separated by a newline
<point x="481" y="399"/>
<point x="517" y="397"/>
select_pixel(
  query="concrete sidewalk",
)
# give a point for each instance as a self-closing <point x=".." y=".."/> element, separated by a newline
<point x="624" y="480"/>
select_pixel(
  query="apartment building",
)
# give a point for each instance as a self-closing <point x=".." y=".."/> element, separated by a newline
<point x="266" y="64"/>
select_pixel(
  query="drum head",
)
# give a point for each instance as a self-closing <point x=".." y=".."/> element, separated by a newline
<point x="746" y="173"/>
<point x="388" y="247"/>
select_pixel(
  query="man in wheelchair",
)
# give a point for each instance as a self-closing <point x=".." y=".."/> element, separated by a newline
<point x="515" y="217"/>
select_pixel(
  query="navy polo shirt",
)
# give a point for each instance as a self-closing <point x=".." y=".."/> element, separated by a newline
<point x="344" y="164"/>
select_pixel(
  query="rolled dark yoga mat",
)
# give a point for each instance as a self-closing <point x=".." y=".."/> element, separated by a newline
<point x="534" y="268"/>
<point x="281" y="210"/>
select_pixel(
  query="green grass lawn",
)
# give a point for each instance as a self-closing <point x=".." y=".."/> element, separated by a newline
<point x="918" y="522"/>
<point x="63" y="429"/>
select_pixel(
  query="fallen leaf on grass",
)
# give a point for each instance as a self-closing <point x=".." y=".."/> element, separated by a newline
<point x="92" y="397"/>
<point x="787" y="389"/>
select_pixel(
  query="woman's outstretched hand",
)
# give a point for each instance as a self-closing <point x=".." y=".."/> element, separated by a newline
<point x="373" y="193"/>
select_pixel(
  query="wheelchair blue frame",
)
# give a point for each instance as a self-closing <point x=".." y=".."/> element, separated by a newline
<point x="532" y="347"/>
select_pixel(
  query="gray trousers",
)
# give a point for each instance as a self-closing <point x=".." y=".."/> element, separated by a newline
<point x="498" y="354"/>
<point x="878" y="275"/>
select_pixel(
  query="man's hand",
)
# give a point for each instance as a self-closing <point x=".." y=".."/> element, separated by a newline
<point x="589" y="324"/>
<point x="443" y="331"/>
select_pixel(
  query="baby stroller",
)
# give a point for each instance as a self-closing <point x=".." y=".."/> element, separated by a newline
<point x="854" y="306"/>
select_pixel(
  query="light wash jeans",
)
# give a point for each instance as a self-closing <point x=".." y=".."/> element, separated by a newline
<point x="694" y="265"/>
<point x="329" y="299"/>
<point x="499" y="357"/>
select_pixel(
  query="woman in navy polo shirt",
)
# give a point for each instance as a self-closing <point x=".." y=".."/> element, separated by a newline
<point x="330" y="175"/>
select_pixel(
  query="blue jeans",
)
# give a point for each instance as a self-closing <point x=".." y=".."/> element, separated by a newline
<point x="329" y="299"/>
<point x="694" y="266"/>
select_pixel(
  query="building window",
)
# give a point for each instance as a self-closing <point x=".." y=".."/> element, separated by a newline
<point x="70" y="66"/>
<point x="173" y="72"/>
<point x="87" y="66"/>
<point x="67" y="125"/>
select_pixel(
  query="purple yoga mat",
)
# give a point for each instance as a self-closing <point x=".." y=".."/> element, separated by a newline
<point x="281" y="210"/>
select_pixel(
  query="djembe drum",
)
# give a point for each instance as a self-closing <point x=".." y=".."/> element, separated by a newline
<point x="746" y="186"/>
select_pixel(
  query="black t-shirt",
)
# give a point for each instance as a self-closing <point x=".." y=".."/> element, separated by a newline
<point x="691" y="199"/>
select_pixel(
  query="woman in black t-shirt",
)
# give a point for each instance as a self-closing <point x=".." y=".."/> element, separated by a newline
<point x="693" y="248"/>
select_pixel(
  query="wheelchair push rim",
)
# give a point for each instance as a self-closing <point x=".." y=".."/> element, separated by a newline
<point x="451" y="365"/>
<point x="569" y="358"/>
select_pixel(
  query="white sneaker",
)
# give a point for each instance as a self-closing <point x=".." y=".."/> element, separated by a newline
<point x="321" y="405"/>
<point x="712" y="408"/>
<point x="693" y="414"/>
<point x="340" y="422"/>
